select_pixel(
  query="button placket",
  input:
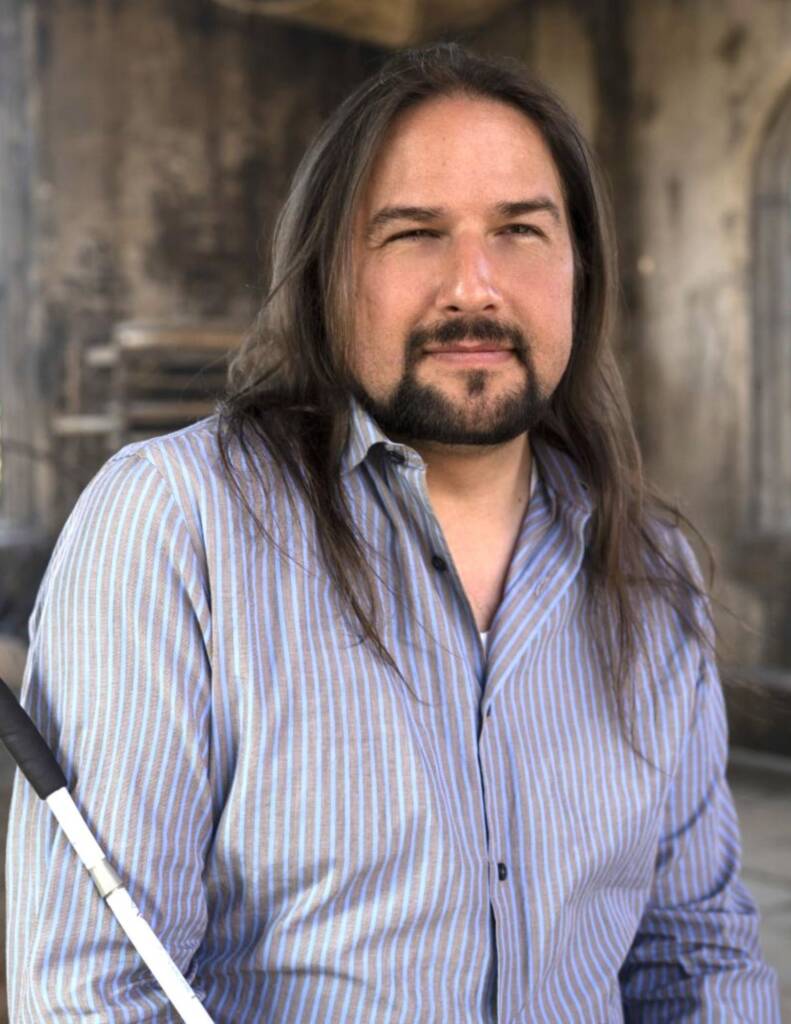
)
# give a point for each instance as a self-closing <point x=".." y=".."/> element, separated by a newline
<point x="437" y="542"/>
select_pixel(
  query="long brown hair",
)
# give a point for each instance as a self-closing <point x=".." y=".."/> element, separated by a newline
<point x="289" y="385"/>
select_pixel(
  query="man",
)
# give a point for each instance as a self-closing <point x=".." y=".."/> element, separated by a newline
<point x="403" y="707"/>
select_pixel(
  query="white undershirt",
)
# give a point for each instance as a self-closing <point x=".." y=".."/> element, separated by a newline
<point x="533" y="478"/>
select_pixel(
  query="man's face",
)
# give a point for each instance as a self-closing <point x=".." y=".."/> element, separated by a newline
<point x="463" y="274"/>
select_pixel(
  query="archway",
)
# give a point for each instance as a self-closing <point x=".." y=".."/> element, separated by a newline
<point x="771" y="205"/>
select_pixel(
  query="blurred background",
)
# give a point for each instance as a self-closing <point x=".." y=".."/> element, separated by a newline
<point x="146" y="145"/>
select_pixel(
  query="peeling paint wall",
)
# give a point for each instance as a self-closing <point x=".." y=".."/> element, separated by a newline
<point x="676" y="95"/>
<point x="16" y="141"/>
<point x="172" y="130"/>
<point x="554" y="40"/>
<point x="166" y="135"/>
<point x="707" y="77"/>
<point x="580" y="48"/>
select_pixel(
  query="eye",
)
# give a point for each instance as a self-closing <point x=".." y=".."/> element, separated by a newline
<point x="413" y="233"/>
<point x="524" y="229"/>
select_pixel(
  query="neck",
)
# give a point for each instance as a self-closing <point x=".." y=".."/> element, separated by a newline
<point x="491" y="480"/>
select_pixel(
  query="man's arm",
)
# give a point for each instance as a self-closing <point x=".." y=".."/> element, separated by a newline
<point x="696" y="955"/>
<point x="118" y="681"/>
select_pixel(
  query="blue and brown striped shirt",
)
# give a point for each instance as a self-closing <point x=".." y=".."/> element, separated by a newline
<point x="316" y="838"/>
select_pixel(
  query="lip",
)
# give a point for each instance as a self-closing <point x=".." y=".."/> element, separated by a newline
<point x="465" y="354"/>
<point x="470" y="346"/>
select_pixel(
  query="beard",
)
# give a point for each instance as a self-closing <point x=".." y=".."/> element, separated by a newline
<point x="423" y="412"/>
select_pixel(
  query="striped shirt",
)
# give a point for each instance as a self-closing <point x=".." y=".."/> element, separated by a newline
<point x="317" y="839"/>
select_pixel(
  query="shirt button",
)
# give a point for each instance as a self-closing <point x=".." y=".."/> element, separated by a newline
<point x="439" y="563"/>
<point x="502" y="872"/>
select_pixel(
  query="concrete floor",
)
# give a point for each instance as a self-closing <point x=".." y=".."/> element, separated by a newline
<point x="761" y="787"/>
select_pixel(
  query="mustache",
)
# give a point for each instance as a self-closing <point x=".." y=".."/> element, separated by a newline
<point x="477" y="328"/>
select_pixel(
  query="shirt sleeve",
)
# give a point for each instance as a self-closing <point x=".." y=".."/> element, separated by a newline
<point x="696" y="955"/>
<point x="118" y="681"/>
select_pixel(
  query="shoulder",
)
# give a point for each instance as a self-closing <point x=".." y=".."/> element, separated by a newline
<point x="674" y="567"/>
<point x="185" y="458"/>
<point x="148" y="493"/>
<point x="668" y="549"/>
<point x="136" y="527"/>
<point x="170" y="469"/>
<point x="212" y="487"/>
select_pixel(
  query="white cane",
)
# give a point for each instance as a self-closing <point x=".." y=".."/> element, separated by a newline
<point x="35" y="760"/>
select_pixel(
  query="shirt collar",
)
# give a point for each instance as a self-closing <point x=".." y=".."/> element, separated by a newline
<point x="365" y="434"/>
<point x="558" y="471"/>
<point x="561" y="476"/>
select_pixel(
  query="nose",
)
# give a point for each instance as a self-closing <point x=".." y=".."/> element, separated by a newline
<point x="467" y="284"/>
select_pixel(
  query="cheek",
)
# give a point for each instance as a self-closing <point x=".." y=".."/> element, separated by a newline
<point x="390" y="292"/>
<point x="556" y="281"/>
<point x="559" y="340"/>
<point x="382" y="323"/>
<point x="547" y="309"/>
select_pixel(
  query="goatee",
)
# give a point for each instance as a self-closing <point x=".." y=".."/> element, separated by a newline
<point x="422" y="412"/>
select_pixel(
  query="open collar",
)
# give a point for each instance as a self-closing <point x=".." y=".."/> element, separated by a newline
<point x="558" y="470"/>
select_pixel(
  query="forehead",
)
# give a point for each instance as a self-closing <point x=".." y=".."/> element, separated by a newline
<point x="461" y="151"/>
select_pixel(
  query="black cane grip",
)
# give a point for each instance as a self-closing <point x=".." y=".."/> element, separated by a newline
<point x="27" y="747"/>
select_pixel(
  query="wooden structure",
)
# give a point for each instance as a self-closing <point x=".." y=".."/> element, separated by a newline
<point x="160" y="377"/>
<point x="391" y="23"/>
<point x="153" y="376"/>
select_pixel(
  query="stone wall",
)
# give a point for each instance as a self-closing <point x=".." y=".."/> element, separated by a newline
<point x="708" y="78"/>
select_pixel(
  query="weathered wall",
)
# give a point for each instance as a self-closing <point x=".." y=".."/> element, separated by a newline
<point x="16" y="142"/>
<point x="580" y="48"/>
<point x="707" y="77"/>
<point x="165" y="134"/>
<point x="555" y="41"/>
<point x="146" y="146"/>
<point x="171" y="130"/>
<point x="676" y="97"/>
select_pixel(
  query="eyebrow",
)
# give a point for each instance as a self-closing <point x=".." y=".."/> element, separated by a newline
<point x="425" y="214"/>
<point x="538" y="205"/>
<point x="388" y="214"/>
